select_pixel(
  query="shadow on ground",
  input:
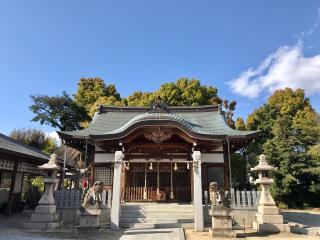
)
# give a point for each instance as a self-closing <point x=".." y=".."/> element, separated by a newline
<point x="304" y="218"/>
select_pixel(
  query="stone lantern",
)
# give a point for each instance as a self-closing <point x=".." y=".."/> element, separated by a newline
<point x="268" y="218"/>
<point x="45" y="216"/>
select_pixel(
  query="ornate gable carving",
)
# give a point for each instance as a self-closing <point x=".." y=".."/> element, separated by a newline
<point x="157" y="135"/>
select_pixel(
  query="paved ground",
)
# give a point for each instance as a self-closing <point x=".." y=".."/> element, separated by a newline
<point x="191" y="235"/>
<point x="12" y="229"/>
<point x="302" y="217"/>
<point x="148" y="234"/>
<point x="154" y="234"/>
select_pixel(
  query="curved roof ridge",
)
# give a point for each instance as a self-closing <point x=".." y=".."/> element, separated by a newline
<point x="108" y="108"/>
<point x="158" y="116"/>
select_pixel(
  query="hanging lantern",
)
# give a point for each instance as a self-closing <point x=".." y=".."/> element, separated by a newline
<point x="175" y="166"/>
<point x="188" y="166"/>
<point x="151" y="167"/>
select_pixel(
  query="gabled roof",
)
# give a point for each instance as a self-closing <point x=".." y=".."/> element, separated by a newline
<point x="201" y="121"/>
<point x="11" y="146"/>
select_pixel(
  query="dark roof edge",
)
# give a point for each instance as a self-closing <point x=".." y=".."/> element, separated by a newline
<point x="203" y="108"/>
<point x="25" y="156"/>
<point x="251" y="135"/>
<point x="13" y="141"/>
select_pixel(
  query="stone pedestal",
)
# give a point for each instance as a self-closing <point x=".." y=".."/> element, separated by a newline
<point x="45" y="216"/>
<point x="221" y="222"/>
<point x="90" y="218"/>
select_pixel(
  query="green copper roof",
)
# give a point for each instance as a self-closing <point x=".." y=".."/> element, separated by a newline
<point x="201" y="120"/>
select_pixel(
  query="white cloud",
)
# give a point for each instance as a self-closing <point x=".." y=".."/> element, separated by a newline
<point x="286" y="67"/>
<point x="54" y="135"/>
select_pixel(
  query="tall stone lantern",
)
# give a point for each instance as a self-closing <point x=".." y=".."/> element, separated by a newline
<point x="45" y="216"/>
<point x="268" y="218"/>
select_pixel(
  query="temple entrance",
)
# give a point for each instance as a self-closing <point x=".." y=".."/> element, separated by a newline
<point x="158" y="182"/>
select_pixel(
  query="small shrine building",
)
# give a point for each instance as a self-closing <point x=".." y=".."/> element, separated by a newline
<point x="158" y="153"/>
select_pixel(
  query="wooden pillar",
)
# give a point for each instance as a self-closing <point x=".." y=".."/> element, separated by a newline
<point x="227" y="183"/>
<point x="11" y="193"/>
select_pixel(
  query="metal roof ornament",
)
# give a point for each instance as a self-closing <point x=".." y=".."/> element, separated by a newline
<point x="159" y="106"/>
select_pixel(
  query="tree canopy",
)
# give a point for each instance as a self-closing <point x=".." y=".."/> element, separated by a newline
<point x="183" y="92"/>
<point x="291" y="131"/>
<point x="58" y="111"/>
<point x="34" y="138"/>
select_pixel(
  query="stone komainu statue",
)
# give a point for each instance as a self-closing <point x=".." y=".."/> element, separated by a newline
<point x="218" y="197"/>
<point x="92" y="197"/>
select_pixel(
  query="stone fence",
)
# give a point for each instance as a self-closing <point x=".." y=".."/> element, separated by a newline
<point x="244" y="199"/>
<point x="68" y="198"/>
<point x="240" y="199"/>
<point x="71" y="198"/>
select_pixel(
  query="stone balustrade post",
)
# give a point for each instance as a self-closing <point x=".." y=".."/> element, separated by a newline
<point x="197" y="196"/>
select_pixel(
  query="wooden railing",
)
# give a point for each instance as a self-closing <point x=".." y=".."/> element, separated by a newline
<point x="137" y="193"/>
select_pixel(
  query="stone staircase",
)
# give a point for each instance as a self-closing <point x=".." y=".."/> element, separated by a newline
<point x="156" y="215"/>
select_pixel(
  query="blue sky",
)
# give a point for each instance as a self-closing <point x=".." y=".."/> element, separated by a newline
<point x="244" y="48"/>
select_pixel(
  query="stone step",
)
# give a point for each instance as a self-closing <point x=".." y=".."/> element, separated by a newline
<point x="156" y="214"/>
<point x="158" y="206"/>
<point x="159" y="209"/>
<point x="156" y="225"/>
<point x="156" y="220"/>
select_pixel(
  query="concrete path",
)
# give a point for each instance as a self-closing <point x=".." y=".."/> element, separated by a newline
<point x="154" y="234"/>
<point x="143" y="234"/>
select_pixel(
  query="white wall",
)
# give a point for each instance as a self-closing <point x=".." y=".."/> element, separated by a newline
<point x="103" y="157"/>
<point x="212" y="157"/>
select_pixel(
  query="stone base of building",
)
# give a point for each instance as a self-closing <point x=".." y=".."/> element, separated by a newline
<point x="225" y="233"/>
<point x="44" y="218"/>
<point x="90" y="218"/>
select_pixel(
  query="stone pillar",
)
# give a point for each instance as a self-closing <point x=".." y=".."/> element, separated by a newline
<point x="109" y="198"/>
<point x="197" y="192"/>
<point x="116" y="191"/>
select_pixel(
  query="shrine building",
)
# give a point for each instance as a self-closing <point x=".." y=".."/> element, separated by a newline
<point x="158" y="153"/>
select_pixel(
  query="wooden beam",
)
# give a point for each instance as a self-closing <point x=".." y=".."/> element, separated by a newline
<point x="152" y="146"/>
<point x="11" y="193"/>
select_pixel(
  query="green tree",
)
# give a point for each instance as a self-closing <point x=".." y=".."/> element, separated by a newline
<point x="183" y="92"/>
<point x="34" y="138"/>
<point x="89" y="90"/>
<point x="291" y="129"/>
<point x="239" y="125"/>
<point x="111" y="91"/>
<point x="140" y="99"/>
<point x="58" y="111"/>
<point x="111" y="100"/>
<point x="188" y="92"/>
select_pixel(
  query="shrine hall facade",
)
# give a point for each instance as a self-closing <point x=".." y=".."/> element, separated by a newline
<point x="158" y="153"/>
